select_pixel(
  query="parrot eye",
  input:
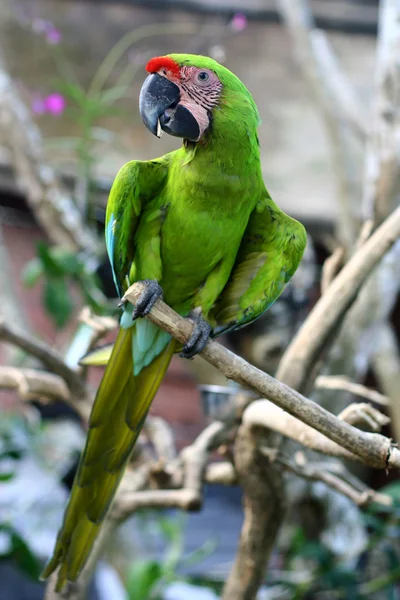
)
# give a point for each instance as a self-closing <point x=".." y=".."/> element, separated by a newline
<point x="203" y="76"/>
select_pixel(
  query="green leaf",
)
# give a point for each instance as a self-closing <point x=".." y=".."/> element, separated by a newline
<point x="142" y="579"/>
<point x="50" y="266"/>
<point x="200" y="554"/>
<point x="21" y="554"/>
<point x="32" y="272"/>
<point x="57" y="300"/>
<point x="6" y="477"/>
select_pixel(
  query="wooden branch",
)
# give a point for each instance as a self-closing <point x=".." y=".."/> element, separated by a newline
<point x="50" y="358"/>
<point x="382" y="164"/>
<point x="372" y="449"/>
<point x="190" y="496"/>
<point x="51" y="204"/>
<point x="342" y="383"/>
<point x="331" y="268"/>
<point x="32" y="384"/>
<point x="299" y="359"/>
<point x="263" y="515"/>
<point x="336" y="101"/>
<point x="315" y="473"/>
<point x="361" y="414"/>
<point x="386" y="365"/>
<point x="263" y="413"/>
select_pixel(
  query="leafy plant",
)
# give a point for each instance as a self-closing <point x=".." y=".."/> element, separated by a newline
<point x="147" y="578"/>
<point x="59" y="269"/>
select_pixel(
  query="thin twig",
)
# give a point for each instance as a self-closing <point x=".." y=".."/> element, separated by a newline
<point x="189" y="497"/>
<point x="331" y="268"/>
<point x="342" y="383"/>
<point x="314" y="473"/>
<point x="50" y="358"/>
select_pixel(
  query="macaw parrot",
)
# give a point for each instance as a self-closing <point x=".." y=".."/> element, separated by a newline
<point x="199" y="228"/>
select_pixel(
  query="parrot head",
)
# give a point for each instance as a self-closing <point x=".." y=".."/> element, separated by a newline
<point x="182" y="93"/>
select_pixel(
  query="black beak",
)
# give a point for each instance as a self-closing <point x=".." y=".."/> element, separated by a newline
<point x="159" y="107"/>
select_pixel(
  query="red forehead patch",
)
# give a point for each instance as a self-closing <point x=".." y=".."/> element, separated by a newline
<point x="163" y="62"/>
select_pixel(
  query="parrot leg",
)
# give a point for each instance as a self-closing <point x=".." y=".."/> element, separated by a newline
<point x="199" y="337"/>
<point x="147" y="299"/>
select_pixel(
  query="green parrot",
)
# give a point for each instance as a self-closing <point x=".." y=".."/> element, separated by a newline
<point x="199" y="228"/>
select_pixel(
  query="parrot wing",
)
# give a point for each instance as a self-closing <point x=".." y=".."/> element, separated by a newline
<point x="269" y="254"/>
<point x="135" y="184"/>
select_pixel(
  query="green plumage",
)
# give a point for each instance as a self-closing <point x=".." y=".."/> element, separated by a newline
<point x="201" y="222"/>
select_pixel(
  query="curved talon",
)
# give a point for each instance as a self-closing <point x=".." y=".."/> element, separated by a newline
<point x="198" y="338"/>
<point x="147" y="299"/>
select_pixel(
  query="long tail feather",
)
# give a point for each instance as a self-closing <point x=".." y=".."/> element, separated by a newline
<point x="118" y="414"/>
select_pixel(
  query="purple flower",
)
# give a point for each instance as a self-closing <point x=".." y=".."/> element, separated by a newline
<point x="239" y="22"/>
<point x="38" y="106"/>
<point x="54" y="104"/>
<point x="46" y="28"/>
<point x="53" y="36"/>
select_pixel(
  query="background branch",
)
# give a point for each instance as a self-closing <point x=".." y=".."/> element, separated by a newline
<point x="51" y="204"/>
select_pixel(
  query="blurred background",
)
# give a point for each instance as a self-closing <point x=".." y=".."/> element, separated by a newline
<point x="75" y="70"/>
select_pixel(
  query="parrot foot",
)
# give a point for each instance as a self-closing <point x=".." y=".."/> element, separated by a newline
<point x="151" y="293"/>
<point x="198" y="338"/>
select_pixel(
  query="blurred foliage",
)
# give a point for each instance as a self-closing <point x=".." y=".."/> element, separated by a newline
<point x="147" y="578"/>
<point x="323" y="575"/>
<point x="59" y="270"/>
<point x="15" y="442"/>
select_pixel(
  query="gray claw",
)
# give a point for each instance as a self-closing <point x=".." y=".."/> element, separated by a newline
<point x="198" y="338"/>
<point x="147" y="299"/>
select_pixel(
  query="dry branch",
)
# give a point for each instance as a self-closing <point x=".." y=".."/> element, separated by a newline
<point x="189" y="497"/>
<point x="50" y="358"/>
<point x="263" y="413"/>
<point x="338" y="382"/>
<point x="373" y="449"/>
<point x="316" y="473"/>
<point x="51" y="204"/>
<point x="335" y="99"/>
<point x="382" y="164"/>
<point x="299" y="359"/>
<point x="260" y="526"/>
<point x="32" y="384"/>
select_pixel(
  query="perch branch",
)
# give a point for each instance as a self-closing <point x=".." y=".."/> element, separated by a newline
<point x="372" y="449"/>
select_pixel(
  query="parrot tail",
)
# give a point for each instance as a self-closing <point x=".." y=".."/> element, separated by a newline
<point x="120" y="408"/>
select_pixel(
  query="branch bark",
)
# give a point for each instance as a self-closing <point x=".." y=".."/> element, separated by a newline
<point x="305" y="349"/>
<point x="260" y="525"/>
<point x="373" y="449"/>
<point x="51" y="359"/>
<point x="382" y="164"/>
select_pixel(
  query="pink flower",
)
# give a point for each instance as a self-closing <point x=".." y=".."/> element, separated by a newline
<point x="54" y="104"/>
<point x="239" y="22"/>
<point x="38" y="106"/>
<point x="53" y="36"/>
<point x="46" y="28"/>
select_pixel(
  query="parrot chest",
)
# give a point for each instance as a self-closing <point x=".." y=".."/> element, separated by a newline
<point x="196" y="241"/>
